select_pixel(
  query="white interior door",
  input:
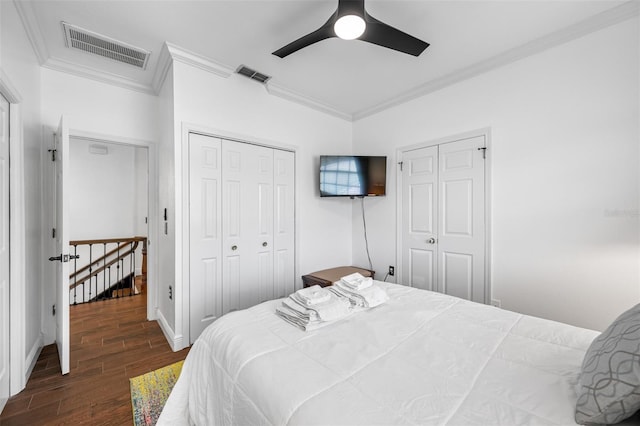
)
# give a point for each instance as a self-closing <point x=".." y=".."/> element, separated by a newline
<point x="4" y="250"/>
<point x="62" y="245"/>
<point x="419" y="217"/>
<point x="205" y="265"/>
<point x="461" y="239"/>
<point x="242" y="227"/>
<point x="284" y="223"/>
<point x="443" y="236"/>
<point x="247" y="224"/>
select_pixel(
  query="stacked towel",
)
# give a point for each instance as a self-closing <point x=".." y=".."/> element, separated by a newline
<point x="313" y="295"/>
<point x="356" y="281"/>
<point x="313" y="307"/>
<point x="360" y="291"/>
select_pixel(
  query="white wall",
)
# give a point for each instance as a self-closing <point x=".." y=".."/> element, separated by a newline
<point x="166" y="199"/>
<point x="565" y="173"/>
<point x="102" y="195"/>
<point x="21" y="67"/>
<point x="96" y="108"/>
<point x="239" y="106"/>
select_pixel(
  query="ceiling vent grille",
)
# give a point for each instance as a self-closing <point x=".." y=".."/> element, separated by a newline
<point x="98" y="44"/>
<point x="252" y="74"/>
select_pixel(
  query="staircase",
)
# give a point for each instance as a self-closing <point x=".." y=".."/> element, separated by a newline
<point x="108" y="269"/>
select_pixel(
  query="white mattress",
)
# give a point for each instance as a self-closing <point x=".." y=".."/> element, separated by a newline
<point x="422" y="358"/>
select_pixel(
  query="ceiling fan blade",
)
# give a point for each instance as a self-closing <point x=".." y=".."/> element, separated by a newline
<point x="324" y="32"/>
<point x="379" y="33"/>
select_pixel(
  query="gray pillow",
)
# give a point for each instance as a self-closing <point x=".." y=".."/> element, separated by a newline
<point x="609" y="388"/>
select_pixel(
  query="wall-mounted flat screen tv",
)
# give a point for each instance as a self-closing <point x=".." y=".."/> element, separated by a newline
<point x="352" y="176"/>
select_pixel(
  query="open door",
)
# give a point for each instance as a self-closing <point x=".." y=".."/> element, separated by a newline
<point x="61" y="256"/>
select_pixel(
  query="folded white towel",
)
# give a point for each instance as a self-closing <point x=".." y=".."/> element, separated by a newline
<point x="301" y="310"/>
<point x="359" y="284"/>
<point x="369" y="297"/>
<point x="290" y="316"/>
<point x="332" y="309"/>
<point x="313" y="295"/>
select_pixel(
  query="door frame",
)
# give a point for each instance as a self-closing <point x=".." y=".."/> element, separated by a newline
<point x="181" y="336"/>
<point x="18" y="370"/>
<point x="486" y="132"/>
<point x="152" y="206"/>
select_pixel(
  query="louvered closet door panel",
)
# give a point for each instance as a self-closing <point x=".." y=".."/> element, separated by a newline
<point x="419" y="217"/>
<point x="247" y="224"/>
<point x="284" y="224"/>
<point x="205" y="291"/>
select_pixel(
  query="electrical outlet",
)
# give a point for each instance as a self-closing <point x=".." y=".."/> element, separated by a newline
<point x="496" y="303"/>
<point x="392" y="270"/>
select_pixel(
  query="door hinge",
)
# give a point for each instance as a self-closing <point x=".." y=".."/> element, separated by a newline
<point x="53" y="310"/>
<point x="400" y="163"/>
<point x="53" y="232"/>
<point x="484" y="151"/>
<point x="53" y="154"/>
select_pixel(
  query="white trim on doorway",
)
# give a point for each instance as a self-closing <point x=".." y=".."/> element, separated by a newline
<point x="19" y="370"/>
<point x="486" y="132"/>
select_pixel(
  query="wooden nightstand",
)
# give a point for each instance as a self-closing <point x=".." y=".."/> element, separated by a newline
<point x="327" y="277"/>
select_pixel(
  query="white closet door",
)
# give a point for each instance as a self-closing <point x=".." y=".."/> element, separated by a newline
<point x="284" y="224"/>
<point x="461" y="241"/>
<point x="4" y="249"/>
<point x="205" y="290"/>
<point x="419" y="217"/>
<point x="247" y="224"/>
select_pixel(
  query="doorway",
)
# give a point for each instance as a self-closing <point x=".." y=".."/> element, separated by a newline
<point x="113" y="195"/>
<point x="443" y="216"/>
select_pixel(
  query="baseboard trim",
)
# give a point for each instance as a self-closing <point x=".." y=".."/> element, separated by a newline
<point x="32" y="357"/>
<point x="175" y="341"/>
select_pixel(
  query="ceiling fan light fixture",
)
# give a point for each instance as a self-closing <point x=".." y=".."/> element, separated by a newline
<point x="349" y="27"/>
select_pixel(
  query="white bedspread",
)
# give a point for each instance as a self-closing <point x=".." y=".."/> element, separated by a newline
<point x="422" y="358"/>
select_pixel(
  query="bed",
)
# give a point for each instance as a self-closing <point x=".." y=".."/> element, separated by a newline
<point x="421" y="358"/>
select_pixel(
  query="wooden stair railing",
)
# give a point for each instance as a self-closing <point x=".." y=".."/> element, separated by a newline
<point x="125" y="247"/>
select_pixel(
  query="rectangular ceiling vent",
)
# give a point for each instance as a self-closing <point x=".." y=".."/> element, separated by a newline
<point x="252" y="74"/>
<point x="98" y="44"/>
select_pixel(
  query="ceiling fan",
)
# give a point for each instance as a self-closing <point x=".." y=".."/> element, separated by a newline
<point x="351" y="21"/>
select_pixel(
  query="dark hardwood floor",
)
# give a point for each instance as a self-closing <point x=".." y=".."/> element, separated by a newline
<point x="111" y="341"/>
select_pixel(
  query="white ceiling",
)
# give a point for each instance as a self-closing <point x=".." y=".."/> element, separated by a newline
<point x="351" y="78"/>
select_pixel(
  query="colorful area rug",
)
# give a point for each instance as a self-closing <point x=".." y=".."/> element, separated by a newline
<point x="150" y="391"/>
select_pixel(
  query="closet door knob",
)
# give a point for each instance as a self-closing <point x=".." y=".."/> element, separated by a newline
<point x="431" y="240"/>
<point x="264" y="244"/>
<point x="234" y="247"/>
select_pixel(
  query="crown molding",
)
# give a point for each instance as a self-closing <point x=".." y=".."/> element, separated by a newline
<point x="199" y="61"/>
<point x="97" y="75"/>
<point x="8" y="90"/>
<point x="30" y="24"/>
<point x="162" y="69"/>
<point x="281" y="92"/>
<point x="171" y="52"/>
<point x="597" y="22"/>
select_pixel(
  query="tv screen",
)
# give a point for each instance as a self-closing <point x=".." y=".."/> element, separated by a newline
<point x="352" y="176"/>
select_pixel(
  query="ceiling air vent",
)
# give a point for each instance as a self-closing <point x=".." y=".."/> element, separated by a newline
<point x="88" y="41"/>
<point x="252" y="74"/>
